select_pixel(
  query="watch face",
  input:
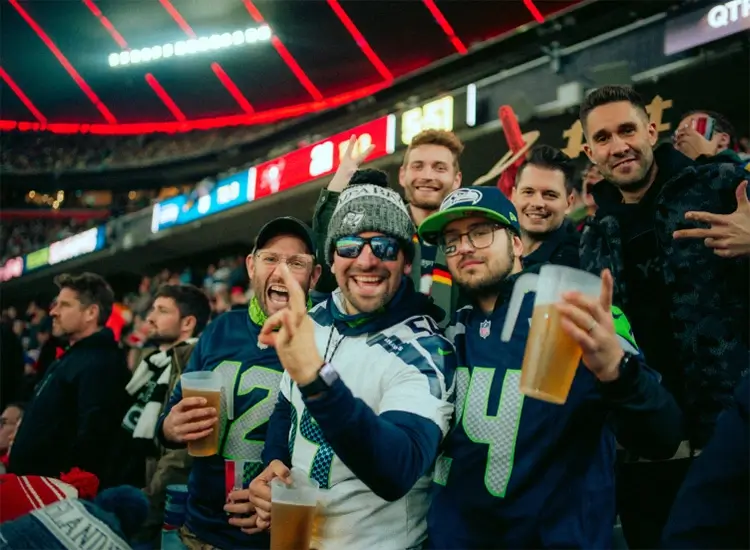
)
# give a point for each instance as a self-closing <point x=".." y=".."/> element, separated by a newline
<point x="328" y="374"/>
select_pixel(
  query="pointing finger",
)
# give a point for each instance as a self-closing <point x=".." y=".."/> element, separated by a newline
<point x="297" y="302"/>
<point x="706" y="217"/>
<point x="694" y="233"/>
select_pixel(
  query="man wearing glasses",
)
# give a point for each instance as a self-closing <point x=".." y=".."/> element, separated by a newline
<point x="366" y="396"/>
<point x="253" y="372"/>
<point x="517" y="472"/>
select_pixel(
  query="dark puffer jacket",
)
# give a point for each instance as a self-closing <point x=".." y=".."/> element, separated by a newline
<point x="708" y="295"/>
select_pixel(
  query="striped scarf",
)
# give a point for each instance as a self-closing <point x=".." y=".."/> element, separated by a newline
<point x="440" y="287"/>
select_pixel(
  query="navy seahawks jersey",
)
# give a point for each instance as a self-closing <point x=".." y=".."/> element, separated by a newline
<point x="517" y="472"/>
<point x="230" y="345"/>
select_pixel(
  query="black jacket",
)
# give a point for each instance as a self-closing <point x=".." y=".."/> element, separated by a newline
<point x="559" y="248"/>
<point x="707" y="295"/>
<point x="75" y="416"/>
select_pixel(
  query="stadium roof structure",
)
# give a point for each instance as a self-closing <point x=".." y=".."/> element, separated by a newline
<point x="56" y="66"/>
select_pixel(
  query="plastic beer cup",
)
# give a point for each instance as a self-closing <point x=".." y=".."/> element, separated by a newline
<point x="551" y="357"/>
<point x="206" y="384"/>
<point x="293" y="510"/>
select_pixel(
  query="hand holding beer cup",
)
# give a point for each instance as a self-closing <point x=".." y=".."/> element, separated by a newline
<point x="190" y="420"/>
<point x="588" y="321"/>
<point x="259" y="492"/>
<point x="291" y="332"/>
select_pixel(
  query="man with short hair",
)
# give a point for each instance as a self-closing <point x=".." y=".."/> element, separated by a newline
<point x="517" y="472"/>
<point x="366" y="394"/>
<point x="78" y="406"/>
<point x="178" y="315"/>
<point x="252" y="372"/>
<point x="542" y="195"/>
<point x="429" y="171"/>
<point x="688" y="304"/>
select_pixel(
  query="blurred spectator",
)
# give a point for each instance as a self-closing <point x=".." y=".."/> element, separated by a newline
<point x="9" y="421"/>
<point x="178" y="315"/>
<point x="79" y="405"/>
<point x="238" y="298"/>
<point x="691" y="141"/>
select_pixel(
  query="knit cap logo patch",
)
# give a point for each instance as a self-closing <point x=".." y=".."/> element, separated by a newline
<point x="352" y="221"/>
<point x="371" y="191"/>
<point x="73" y="525"/>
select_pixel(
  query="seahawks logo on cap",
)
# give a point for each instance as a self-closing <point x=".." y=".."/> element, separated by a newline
<point x="461" y="196"/>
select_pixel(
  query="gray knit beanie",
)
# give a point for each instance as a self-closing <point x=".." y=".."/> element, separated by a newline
<point x="367" y="204"/>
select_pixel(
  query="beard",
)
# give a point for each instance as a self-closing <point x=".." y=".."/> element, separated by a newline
<point x="493" y="282"/>
<point x="164" y="338"/>
<point x="371" y="303"/>
<point x="639" y="180"/>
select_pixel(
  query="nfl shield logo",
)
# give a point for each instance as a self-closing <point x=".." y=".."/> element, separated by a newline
<point x="484" y="328"/>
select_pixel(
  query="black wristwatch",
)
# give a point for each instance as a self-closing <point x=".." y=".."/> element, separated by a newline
<point x="327" y="375"/>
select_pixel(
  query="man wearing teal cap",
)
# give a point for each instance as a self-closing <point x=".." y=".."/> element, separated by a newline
<point x="517" y="472"/>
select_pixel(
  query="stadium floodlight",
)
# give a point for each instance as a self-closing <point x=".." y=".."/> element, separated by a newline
<point x="192" y="46"/>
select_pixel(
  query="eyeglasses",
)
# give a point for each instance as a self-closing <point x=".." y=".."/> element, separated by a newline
<point x="299" y="263"/>
<point x="481" y="236"/>
<point x="384" y="248"/>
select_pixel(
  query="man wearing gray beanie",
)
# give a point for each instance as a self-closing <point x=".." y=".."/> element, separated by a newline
<point x="429" y="172"/>
<point x="365" y="399"/>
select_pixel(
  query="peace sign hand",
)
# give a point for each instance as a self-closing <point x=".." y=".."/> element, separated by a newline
<point x="349" y="164"/>
<point x="292" y="333"/>
<point x="589" y="322"/>
<point x="729" y="234"/>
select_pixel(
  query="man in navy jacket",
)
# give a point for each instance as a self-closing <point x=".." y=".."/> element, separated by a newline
<point x="519" y="472"/>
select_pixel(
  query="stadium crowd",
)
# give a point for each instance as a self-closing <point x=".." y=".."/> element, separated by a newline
<point x="47" y="152"/>
<point x="358" y="396"/>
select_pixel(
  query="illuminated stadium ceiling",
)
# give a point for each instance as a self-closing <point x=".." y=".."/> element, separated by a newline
<point x="56" y="72"/>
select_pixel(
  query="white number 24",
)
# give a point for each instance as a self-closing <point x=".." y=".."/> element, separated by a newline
<point x="498" y="431"/>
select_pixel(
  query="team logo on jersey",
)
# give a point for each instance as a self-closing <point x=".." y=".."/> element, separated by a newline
<point x="461" y="196"/>
<point x="484" y="328"/>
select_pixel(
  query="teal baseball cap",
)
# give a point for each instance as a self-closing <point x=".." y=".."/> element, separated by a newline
<point x="486" y="202"/>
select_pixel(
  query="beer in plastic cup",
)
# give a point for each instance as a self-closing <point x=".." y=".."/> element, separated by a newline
<point x="206" y="384"/>
<point x="551" y="357"/>
<point x="293" y="510"/>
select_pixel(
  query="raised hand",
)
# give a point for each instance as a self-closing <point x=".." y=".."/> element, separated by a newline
<point x="589" y="322"/>
<point x="349" y="164"/>
<point x="729" y="234"/>
<point x="292" y="333"/>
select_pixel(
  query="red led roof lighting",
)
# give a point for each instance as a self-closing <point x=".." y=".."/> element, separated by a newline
<point x="116" y="36"/>
<point x="535" y="13"/>
<point x="172" y="11"/>
<point x="264" y="117"/>
<point x="165" y="98"/>
<point x="232" y="88"/>
<point x="360" y="40"/>
<point x="285" y="55"/>
<point x="447" y="28"/>
<point x="23" y="97"/>
<point x="218" y="70"/>
<point x="108" y="116"/>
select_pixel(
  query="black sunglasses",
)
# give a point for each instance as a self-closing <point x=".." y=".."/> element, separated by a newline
<point x="384" y="248"/>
